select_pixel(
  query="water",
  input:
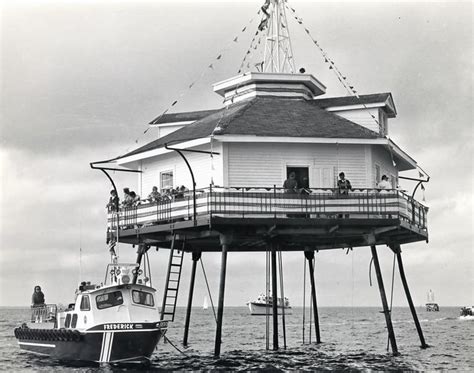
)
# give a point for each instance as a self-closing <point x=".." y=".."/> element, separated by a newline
<point x="353" y="339"/>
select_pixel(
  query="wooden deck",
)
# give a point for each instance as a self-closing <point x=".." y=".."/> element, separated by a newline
<point x="317" y="219"/>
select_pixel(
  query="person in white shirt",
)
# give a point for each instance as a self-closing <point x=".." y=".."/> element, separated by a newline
<point x="384" y="184"/>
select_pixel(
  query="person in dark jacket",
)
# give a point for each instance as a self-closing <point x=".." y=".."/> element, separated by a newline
<point x="113" y="201"/>
<point x="291" y="184"/>
<point x="343" y="184"/>
<point x="37" y="299"/>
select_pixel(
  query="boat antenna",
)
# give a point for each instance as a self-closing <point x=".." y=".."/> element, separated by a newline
<point x="80" y="249"/>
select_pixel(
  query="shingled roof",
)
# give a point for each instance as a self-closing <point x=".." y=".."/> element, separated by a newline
<point x="276" y="117"/>
<point x="375" y="98"/>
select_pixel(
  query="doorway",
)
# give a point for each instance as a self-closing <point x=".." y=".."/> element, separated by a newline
<point x="302" y="175"/>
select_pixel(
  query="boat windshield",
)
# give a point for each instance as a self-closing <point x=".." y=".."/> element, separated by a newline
<point x="142" y="297"/>
<point x="108" y="300"/>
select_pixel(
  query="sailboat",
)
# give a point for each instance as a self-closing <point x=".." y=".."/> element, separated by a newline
<point x="205" y="304"/>
<point x="431" y="305"/>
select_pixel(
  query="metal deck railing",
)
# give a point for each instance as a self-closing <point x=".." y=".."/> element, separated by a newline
<point x="273" y="202"/>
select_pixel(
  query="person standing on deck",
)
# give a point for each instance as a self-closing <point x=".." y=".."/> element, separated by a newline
<point x="113" y="201"/>
<point x="343" y="184"/>
<point x="291" y="184"/>
<point x="384" y="184"/>
<point x="37" y="299"/>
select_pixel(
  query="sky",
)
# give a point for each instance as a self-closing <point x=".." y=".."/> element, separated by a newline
<point x="80" y="80"/>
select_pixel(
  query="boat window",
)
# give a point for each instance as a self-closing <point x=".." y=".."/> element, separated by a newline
<point x="85" y="303"/>
<point x="108" y="300"/>
<point x="68" y="321"/>
<point x="74" y="320"/>
<point x="141" y="297"/>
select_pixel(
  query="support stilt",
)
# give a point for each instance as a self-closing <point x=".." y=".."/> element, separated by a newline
<point x="397" y="250"/>
<point x="310" y="256"/>
<point x="274" y="296"/>
<point x="386" y="311"/>
<point x="225" y="241"/>
<point x="195" y="256"/>
<point x="142" y="249"/>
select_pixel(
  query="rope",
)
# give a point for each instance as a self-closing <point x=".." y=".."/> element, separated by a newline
<point x="391" y="296"/>
<point x="282" y="297"/>
<point x="311" y="312"/>
<point x="208" y="289"/>
<point x="332" y="66"/>
<point x="172" y="344"/>
<point x="211" y="66"/>
<point x="149" y="269"/>
<point x="370" y="271"/>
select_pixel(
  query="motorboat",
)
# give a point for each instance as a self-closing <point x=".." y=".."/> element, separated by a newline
<point x="263" y="305"/>
<point x="117" y="321"/>
<point x="467" y="313"/>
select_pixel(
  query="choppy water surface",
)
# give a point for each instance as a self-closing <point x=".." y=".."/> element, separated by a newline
<point x="353" y="339"/>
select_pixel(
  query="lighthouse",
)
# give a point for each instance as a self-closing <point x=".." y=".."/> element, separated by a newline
<point x="233" y="163"/>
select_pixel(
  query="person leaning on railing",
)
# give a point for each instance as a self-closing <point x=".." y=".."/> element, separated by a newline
<point x="113" y="201"/>
<point x="343" y="184"/>
<point x="154" y="196"/>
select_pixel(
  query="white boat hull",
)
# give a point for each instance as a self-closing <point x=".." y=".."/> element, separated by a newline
<point x="264" y="309"/>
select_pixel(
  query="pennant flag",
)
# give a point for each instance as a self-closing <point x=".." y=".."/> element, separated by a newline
<point x="219" y="57"/>
<point x="326" y="60"/>
<point x="238" y="72"/>
<point x="330" y="67"/>
<point x="344" y="77"/>
<point x="283" y="25"/>
<point x="245" y="28"/>
<point x="292" y="10"/>
<point x="422" y="187"/>
<point x="174" y="103"/>
<point x="235" y="39"/>
<point x="191" y="85"/>
<point x="248" y="52"/>
<point x="307" y="31"/>
<point x="210" y="66"/>
<point x="420" y="174"/>
<point x="351" y="87"/>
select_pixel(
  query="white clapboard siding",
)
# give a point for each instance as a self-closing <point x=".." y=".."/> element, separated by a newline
<point x="265" y="164"/>
<point x="200" y="163"/>
<point x="381" y="157"/>
<point x="362" y="117"/>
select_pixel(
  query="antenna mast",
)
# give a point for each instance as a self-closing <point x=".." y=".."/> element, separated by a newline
<point x="278" y="57"/>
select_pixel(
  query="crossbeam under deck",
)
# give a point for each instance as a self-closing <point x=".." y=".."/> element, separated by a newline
<point x="293" y="234"/>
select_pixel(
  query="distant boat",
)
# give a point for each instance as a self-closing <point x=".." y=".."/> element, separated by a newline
<point x="431" y="305"/>
<point x="205" y="305"/>
<point x="264" y="305"/>
<point x="467" y="313"/>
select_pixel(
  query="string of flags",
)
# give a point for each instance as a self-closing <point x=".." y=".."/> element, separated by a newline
<point x="332" y="66"/>
<point x="211" y="66"/>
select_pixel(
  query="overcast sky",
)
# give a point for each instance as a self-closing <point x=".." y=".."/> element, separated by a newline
<point x="80" y="80"/>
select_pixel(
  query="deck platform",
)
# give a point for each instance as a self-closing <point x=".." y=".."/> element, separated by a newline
<point x="319" y="219"/>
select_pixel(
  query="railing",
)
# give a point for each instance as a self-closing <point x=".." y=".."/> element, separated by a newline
<point x="272" y="202"/>
<point x="43" y="313"/>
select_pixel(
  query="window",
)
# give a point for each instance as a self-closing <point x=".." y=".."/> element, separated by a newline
<point x="166" y="180"/>
<point x="109" y="300"/>
<point x="85" y="303"/>
<point x="141" y="297"/>
<point x="74" y="320"/>
<point x="68" y="321"/>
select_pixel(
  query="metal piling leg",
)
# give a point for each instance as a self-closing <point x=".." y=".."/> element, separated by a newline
<point x="386" y="311"/>
<point x="195" y="256"/>
<point x="309" y="254"/>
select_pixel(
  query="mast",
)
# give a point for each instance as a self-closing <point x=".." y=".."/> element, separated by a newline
<point x="278" y="56"/>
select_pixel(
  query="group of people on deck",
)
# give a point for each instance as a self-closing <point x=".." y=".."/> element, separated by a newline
<point x="343" y="185"/>
<point x="132" y="199"/>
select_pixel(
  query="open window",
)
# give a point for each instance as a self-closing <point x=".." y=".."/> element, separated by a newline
<point x="108" y="300"/>
<point x="302" y="175"/>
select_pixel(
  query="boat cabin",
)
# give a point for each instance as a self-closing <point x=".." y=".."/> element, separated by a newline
<point x="118" y="302"/>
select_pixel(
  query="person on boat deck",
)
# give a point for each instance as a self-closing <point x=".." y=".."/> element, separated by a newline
<point x="291" y="184"/>
<point x="37" y="299"/>
<point x="127" y="198"/>
<point x="154" y="196"/>
<point x="113" y="201"/>
<point x="343" y="184"/>
<point x="384" y="184"/>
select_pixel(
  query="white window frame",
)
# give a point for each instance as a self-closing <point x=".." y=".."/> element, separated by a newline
<point x="163" y="173"/>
